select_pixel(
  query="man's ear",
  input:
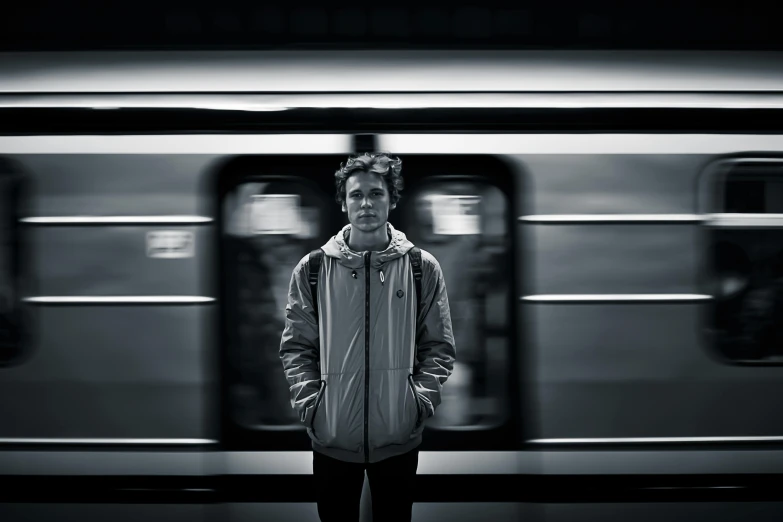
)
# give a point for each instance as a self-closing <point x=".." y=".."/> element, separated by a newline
<point x="393" y="206"/>
<point x="344" y="209"/>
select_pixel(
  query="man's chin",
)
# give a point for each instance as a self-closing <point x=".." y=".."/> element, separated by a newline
<point x="367" y="225"/>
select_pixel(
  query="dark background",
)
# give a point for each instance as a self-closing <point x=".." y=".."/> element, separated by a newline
<point x="49" y="25"/>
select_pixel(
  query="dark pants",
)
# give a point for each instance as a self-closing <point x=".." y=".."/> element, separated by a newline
<point x="339" y="487"/>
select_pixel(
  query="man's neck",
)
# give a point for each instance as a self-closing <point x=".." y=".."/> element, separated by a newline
<point x="375" y="241"/>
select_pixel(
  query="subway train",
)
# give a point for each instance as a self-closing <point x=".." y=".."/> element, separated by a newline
<point x="609" y="225"/>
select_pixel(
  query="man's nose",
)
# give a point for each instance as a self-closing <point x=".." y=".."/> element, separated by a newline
<point x="366" y="203"/>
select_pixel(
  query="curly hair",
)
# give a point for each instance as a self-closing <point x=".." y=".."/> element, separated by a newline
<point x="381" y="163"/>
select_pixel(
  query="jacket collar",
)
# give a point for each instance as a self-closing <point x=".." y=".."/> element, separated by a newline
<point x="337" y="247"/>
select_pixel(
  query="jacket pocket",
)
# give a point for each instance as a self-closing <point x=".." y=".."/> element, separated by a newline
<point x="318" y="399"/>
<point x="418" y="403"/>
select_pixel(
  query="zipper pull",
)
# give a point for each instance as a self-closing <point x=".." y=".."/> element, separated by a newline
<point x="382" y="278"/>
<point x="353" y="274"/>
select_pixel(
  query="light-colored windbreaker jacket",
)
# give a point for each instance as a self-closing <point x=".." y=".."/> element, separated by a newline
<point x="364" y="378"/>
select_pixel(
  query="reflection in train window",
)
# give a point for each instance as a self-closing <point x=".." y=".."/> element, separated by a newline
<point x="10" y="327"/>
<point x="747" y="263"/>
<point x="269" y="227"/>
<point x="463" y="224"/>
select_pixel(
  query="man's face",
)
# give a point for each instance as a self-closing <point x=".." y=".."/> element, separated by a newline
<point x="366" y="201"/>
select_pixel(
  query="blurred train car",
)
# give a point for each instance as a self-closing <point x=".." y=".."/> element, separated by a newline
<point x="609" y="226"/>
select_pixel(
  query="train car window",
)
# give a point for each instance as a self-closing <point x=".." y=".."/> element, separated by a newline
<point x="462" y="222"/>
<point x="10" y="323"/>
<point x="270" y="226"/>
<point x="746" y="241"/>
<point x="276" y="210"/>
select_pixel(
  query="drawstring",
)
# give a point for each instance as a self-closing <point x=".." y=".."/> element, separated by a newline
<point x="382" y="279"/>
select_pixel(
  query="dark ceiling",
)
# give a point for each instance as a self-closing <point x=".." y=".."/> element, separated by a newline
<point x="480" y="24"/>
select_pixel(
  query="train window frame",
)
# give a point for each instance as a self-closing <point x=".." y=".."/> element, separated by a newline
<point x="711" y="186"/>
<point x="13" y="212"/>
<point x="319" y="169"/>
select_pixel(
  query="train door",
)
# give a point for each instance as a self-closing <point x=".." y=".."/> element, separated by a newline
<point x="461" y="209"/>
<point x="746" y="261"/>
<point x="458" y="210"/>
<point x="744" y="198"/>
<point x="275" y="211"/>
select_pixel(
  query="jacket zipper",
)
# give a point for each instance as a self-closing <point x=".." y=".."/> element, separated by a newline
<point x="367" y="357"/>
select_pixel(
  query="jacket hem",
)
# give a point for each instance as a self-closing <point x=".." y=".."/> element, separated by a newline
<point x="376" y="455"/>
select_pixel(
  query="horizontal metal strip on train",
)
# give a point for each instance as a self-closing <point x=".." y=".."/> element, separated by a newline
<point x="456" y="143"/>
<point x="719" y="220"/>
<point x="102" y="441"/>
<point x="590" y="142"/>
<point x="613" y="218"/>
<point x="430" y="462"/>
<point x="745" y="220"/>
<point x="28" y="462"/>
<point x="381" y="70"/>
<point x="180" y="144"/>
<point x="120" y="299"/>
<point x="724" y="220"/>
<point x="615" y="298"/>
<point x="147" y="459"/>
<point x="251" y="102"/>
<point x="117" y="220"/>
<point x="656" y="440"/>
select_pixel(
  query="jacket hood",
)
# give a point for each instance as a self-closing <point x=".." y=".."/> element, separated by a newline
<point x="337" y="247"/>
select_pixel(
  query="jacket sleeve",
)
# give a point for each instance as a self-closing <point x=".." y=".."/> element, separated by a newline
<point x="436" y="352"/>
<point x="299" y="346"/>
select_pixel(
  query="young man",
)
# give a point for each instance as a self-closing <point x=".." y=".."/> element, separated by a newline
<point x="367" y="362"/>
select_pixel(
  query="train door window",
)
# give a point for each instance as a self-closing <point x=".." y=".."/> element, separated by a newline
<point x="746" y="260"/>
<point x="10" y="323"/>
<point x="276" y="210"/>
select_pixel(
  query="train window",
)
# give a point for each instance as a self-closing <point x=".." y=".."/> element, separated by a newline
<point x="462" y="222"/>
<point x="10" y="324"/>
<point x="746" y="241"/>
<point x="269" y="226"/>
<point x="276" y="210"/>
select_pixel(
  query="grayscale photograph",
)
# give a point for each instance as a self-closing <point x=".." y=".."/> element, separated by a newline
<point x="469" y="262"/>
